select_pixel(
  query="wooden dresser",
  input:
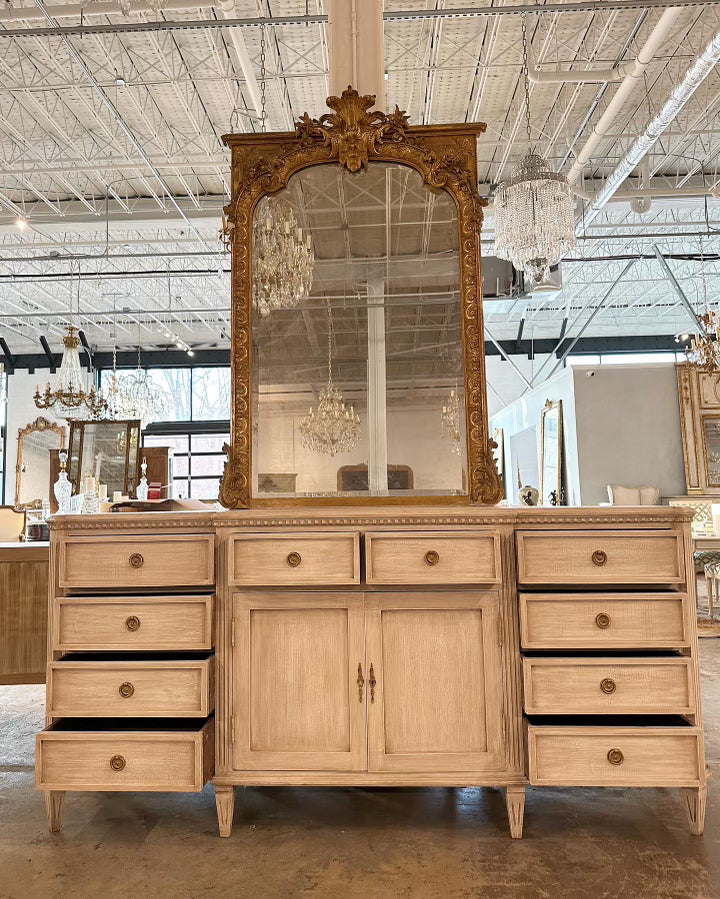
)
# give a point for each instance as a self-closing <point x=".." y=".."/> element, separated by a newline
<point x="452" y="646"/>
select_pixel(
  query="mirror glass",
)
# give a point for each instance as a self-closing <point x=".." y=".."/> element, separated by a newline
<point x="32" y="484"/>
<point x="358" y="386"/>
<point x="551" y="451"/>
<point x="711" y="440"/>
<point x="107" y="451"/>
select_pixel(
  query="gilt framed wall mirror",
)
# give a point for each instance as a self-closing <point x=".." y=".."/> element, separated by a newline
<point x="32" y="471"/>
<point x="358" y="347"/>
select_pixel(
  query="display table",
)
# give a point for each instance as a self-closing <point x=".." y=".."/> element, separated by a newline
<point x="475" y="646"/>
<point x="23" y="612"/>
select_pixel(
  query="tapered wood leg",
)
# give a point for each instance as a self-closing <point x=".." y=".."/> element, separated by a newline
<point x="54" y="800"/>
<point x="225" y="802"/>
<point x="515" y="802"/>
<point x="695" y="800"/>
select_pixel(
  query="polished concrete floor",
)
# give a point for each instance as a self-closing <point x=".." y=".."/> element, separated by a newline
<point x="342" y="844"/>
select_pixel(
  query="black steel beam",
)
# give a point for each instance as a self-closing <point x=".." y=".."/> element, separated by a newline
<point x="86" y="347"/>
<point x="8" y="358"/>
<point x="49" y="353"/>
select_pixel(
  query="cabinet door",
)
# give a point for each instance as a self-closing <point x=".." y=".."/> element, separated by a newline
<point x="437" y="703"/>
<point x="295" y="682"/>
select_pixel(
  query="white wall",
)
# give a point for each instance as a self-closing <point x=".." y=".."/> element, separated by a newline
<point x="628" y="429"/>
<point x="526" y="412"/>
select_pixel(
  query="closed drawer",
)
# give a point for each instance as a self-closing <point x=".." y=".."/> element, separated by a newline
<point x="153" y="560"/>
<point x="602" y="621"/>
<point x="616" y="756"/>
<point x="432" y="557"/>
<point x="600" y="557"/>
<point x="266" y="560"/>
<point x="125" y="756"/>
<point x="158" y="623"/>
<point x="609" y="686"/>
<point x="176" y="689"/>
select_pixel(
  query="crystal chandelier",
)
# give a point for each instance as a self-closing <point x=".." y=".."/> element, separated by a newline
<point x="332" y="429"/>
<point x="132" y="396"/>
<point x="450" y="419"/>
<point x="704" y="349"/>
<point x="534" y="208"/>
<point x="69" y="399"/>
<point x="282" y="259"/>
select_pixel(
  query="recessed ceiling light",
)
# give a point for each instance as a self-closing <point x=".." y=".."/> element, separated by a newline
<point x="21" y="223"/>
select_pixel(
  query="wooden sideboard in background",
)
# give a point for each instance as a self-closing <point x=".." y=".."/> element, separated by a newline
<point x="24" y="571"/>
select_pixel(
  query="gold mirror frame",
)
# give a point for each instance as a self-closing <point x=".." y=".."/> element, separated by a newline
<point x="40" y="424"/>
<point x="353" y="135"/>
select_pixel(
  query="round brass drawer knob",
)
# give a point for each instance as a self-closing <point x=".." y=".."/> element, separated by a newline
<point x="602" y="619"/>
<point x="615" y="757"/>
<point x="132" y="623"/>
<point x="294" y="559"/>
<point x="608" y="685"/>
<point x="117" y="763"/>
<point x="136" y="560"/>
<point x="599" y="557"/>
<point x="432" y="557"/>
<point x="126" y="690"/>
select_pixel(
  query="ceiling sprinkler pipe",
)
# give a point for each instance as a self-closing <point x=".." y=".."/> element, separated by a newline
<point x="97" y="8"/>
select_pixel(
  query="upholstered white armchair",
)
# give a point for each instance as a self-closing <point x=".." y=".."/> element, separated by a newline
<point x="633" y="496"/>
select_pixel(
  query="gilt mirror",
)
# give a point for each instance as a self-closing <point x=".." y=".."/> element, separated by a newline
<point x="107" y="451"/>
<point x="32" y="471"/>
<point x="358" y="363"/>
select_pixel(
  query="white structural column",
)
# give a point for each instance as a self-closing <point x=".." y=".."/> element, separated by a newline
<point x="377" y="384"/>
<point x="355" y="46"/>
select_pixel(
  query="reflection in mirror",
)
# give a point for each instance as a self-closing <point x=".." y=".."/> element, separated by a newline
<point x="358" y="383"/>
<point x="551" y="454"/>
<point x="32" y="472"/>
<point x="106" y="451"/>
<point x="711" y="445"/>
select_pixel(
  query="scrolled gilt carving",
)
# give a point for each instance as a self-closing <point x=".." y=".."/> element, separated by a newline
<point x="352" y="135"/>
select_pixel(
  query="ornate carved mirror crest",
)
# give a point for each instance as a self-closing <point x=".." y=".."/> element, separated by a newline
<point x="357" y="337"/>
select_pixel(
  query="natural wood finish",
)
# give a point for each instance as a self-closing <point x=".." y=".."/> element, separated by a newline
<point x="632" y="557"/>
<point x="23" y="612"/>
<point x="159" y="466"/>
<point x="262" y="560"/>
<point x="484" y="778"/>
<point x="176" y="761"/>
<point x="54" y="801"/>
<point x="295" y="673"/>
<point x="178" y="560"/>
<point x="432" y="557"/>
<point x="430" y="653"/>
<point x="652" y="756"/>
<point x="225" y="804"/>
<point x="634" y="620"/>
<point x="592" y="686"/>
<point x="695" y="802"/>
<point x="515" y="802"/>
<point x="157" y="689"/>
<point x="106" y="623"/>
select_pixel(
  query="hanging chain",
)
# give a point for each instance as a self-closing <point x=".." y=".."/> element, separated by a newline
<point x="330" y="333"/>
<point x="263" y="101"/>
<point x="702" y="272"/>
<point x="526" y="77"/>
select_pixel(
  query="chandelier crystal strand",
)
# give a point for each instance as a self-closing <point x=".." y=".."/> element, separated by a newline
<point x="534" y="209"/>
<point x="283" y="259"/>
<point x="332" y="429"/>
<point x="704" y="350"/>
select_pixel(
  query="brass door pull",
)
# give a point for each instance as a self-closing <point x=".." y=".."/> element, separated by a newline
<point x="599" y="557"/>
<point x="126" y="690"/>
<point x="117" y="763"/>
<point x="136" y="560"/>
<point x="615" y="757"/>
<point x="372" y="682"/>
<point x="132" y="623"/>
<point x="360" y="683"/>
<point x="602" y="619"/>
<point x="294" y="559"/>
<point x="608" y="685"/>
<point x="432" y="557"/>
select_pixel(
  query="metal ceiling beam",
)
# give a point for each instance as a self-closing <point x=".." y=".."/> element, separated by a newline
<point x="678" y="290"/>
<point x="409" y="15"/>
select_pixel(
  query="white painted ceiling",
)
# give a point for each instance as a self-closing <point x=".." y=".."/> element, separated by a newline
<point x="152" y="249"/>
